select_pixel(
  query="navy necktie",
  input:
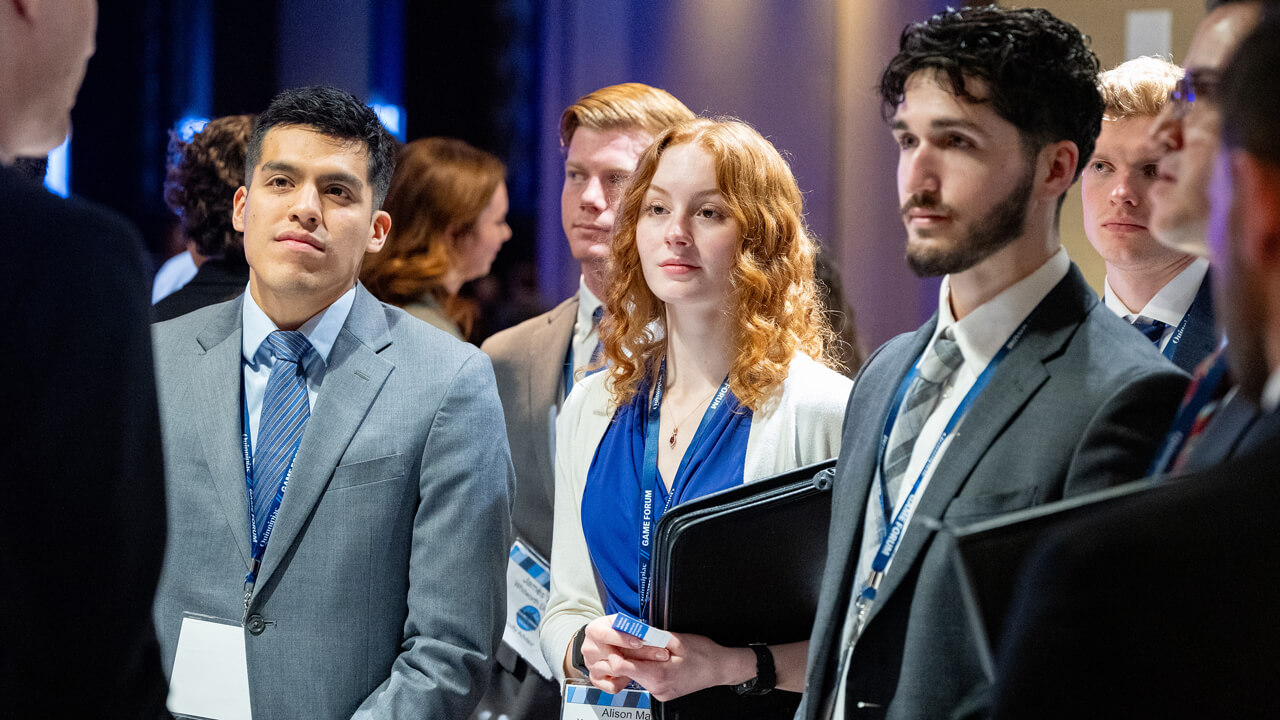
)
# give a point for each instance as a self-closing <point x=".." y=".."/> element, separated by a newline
<point x="285" y="410"/>
<point x="598" y="354"/>
<point x="1153" y="329"/>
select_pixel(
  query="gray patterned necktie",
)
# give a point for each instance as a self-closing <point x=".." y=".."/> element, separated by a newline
<point x="938" y="364"/>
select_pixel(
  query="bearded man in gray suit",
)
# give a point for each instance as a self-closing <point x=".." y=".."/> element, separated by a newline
<point x="338" y="496"/>
<point x="1023" y="388"/>
<point x="602" y="134"/>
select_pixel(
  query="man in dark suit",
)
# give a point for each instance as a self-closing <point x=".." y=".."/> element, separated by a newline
<point x="602" y="135"/>
<point x="1162" y="291"/>
<point x="1023" y="388"/>
<point x="1167" y="609"/>
<point x="81" y="529"/>
<point x="337" y="471"/>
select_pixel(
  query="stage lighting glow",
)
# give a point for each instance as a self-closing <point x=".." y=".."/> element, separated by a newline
<point x="57" y="176"/>
<point x="392" y="117"/>
<point x="190" y="126"/>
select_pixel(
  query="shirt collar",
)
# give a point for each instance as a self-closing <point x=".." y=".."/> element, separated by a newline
<point x="981" y="333"/>
<point x="587" y="304"/>
<point x="1172" y="301"/>
<point x="321" y="330"/>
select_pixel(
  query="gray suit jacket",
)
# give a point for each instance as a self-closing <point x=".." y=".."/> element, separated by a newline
<point x="528" y="362"/>
<point x="1079" y="404"/>
<point x="381" y="593"/>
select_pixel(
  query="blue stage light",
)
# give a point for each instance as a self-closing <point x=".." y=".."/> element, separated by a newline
<point x="392" y="117"/>
<point x="57" y="176"/>
<point x="190" y="126"/>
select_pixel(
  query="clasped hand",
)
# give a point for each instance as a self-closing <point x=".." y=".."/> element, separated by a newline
<point x="687" y="664"/>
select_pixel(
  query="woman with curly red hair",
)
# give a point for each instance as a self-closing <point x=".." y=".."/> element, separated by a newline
<point x="717" y="375"/>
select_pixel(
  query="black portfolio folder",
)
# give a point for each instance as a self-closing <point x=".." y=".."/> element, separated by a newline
<point x="990" y="556"/>
<point x="740" y="566"/>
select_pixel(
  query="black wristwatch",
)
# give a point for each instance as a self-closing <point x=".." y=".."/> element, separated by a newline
<point x="579" y="662"/>
<point x="766" y="677"/>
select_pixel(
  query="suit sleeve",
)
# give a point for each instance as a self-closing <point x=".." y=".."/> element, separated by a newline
<point x="1124" y="435"/>
<point x="457" y="570"/>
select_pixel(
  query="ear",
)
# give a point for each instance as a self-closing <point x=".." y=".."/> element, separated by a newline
<point x="238" y="207"/>
<point x="1059" y="160"/>
<point x="380" y="226"/>
<point x="1257" y="202"/>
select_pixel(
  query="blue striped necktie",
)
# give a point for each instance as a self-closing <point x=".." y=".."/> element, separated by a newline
<point x="1153" y="329"/>
<point x="285" y="411"/>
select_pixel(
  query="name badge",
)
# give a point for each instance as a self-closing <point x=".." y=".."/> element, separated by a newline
<point x="528" y="587"/>
<point x="649" y="635"/>
<point x="584" y="701"/>
<point x="210" y="676"/>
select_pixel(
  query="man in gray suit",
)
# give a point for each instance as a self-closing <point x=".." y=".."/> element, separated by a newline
<point x="338" y="495"/>
<point x="1021" y="389"/>
<point x="602" y="134"/>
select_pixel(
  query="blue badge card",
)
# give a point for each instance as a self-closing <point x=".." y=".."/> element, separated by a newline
<point x="528" y="587"/>
<point x="584" y="701"/>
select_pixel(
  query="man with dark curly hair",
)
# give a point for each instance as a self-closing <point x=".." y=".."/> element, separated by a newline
<point x="1021" y="389"/>
<point x="200" y="186"/>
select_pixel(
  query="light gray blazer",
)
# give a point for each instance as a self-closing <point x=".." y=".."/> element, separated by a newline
<point x="1079" y="404"/>
<point x="382" y="591"/>
<point x="528" y="361"/>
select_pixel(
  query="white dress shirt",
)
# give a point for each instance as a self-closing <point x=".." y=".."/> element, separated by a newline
<point x="1169" y="305"/>
<point x="321" y="331"/>
<point x="585" y="336"/>
<point x="980" y="334"/>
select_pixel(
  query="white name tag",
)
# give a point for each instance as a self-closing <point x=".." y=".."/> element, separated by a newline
<point x="584" y="701"/>
<point x="528" y="587"/>
<point x="210" y="670"/>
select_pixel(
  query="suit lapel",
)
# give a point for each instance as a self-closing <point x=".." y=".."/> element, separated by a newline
<point x="1019" y="376"/>
<point x="354" y="376"/>
<point x="546" y="376"/>
<point x="218" y="411"/>
<point x="1200" y="336"/>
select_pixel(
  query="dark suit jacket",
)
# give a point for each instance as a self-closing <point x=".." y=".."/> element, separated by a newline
<point x="216" y="281"/>
<point x="81" y="526"/>
<point x="382" y="590"/>
<point x="1200" y="337"/>
<point x="1166" y="610"/>
<point x="1080" y="403"/>
<point x="528" y="362"/>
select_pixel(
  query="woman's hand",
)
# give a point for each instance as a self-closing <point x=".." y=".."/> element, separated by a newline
<point x="689" y="663"/>
<point x="610" y="654"/>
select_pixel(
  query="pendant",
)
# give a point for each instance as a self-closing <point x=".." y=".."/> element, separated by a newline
<point x="671" y="441"/>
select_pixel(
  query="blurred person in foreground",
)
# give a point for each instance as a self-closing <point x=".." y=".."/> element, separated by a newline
<point x="1166" y="607"/>
<point x="81" y="527"/>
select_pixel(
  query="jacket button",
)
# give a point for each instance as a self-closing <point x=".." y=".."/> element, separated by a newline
<point x="255" y="625"/>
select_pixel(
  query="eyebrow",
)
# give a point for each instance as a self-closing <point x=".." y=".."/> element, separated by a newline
<point x="942" y="124"/>
<point x="696" y="196"/>
<point x="291" y="169"/>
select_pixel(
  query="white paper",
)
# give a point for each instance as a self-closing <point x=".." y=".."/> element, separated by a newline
<point x="1148" y="32"/>
<point x="528" y="588"/>
<point x="210" y="671"/>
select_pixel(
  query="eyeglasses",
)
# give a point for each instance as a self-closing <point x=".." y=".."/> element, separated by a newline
<point x="1194" y="84"/>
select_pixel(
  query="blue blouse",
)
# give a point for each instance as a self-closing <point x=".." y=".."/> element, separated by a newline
<point x="613" y="498"/>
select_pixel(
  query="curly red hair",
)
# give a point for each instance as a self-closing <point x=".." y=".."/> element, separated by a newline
<point x="773" y="301"/>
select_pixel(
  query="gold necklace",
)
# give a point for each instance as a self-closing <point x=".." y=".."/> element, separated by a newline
<point x="675" y="430"/>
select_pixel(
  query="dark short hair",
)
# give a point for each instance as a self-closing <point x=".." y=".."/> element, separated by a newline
<point x="1040" y="74"/>
<point x="1251" y="94"/>
<point x="337" y="114"/>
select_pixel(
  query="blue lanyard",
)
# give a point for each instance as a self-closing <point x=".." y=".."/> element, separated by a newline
<point x="258" y="545"/>
<point x="1172" y="346"/>
<point x="650" y="479"/>
<point x="892" y="538"/>
<point x="1190" y="410"/>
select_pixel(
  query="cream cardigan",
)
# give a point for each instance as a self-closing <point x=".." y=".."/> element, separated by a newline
<point x="801" y="426"/>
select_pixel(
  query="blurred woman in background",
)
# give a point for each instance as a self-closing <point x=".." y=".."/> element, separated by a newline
<point x="448" y="206"/>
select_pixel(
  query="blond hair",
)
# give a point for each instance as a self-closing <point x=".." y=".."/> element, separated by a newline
<point x="622" y="107"/>
<point x="773" y="298"/>
<point x="1138" y="88"/>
